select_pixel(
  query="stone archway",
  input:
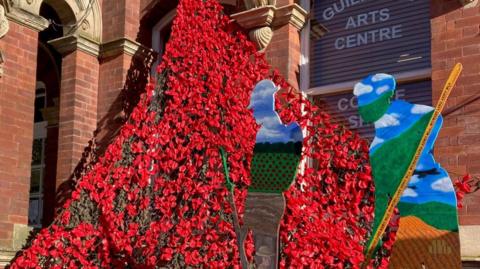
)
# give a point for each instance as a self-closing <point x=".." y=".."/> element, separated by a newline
<point x="78" y="43"/>
<point x="82" y="18"/>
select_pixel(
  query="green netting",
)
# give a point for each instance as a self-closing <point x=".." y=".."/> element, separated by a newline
<point x="273" y="172"/>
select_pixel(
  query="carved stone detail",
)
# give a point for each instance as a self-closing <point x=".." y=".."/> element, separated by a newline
<point x="262" y="15"/>
<point x="261" y="36"/>
<point x="292" y="14"/>
<point x="26" y="12"/>
<point x="3" y="31"/>
<point x="469" y="3"/>
<point x="258" y="20"/>
<point x="122" y="45"/>
<point x="67" y="44"/>
<point x="3" y="22"/>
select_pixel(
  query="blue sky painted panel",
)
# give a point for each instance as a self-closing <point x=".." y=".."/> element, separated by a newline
<point x="272" y="129"/>
<point x="430" y="182"/>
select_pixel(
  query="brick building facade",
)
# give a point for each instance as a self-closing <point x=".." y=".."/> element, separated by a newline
<point x="72" y="70"/>
<point x="456" y="38"/>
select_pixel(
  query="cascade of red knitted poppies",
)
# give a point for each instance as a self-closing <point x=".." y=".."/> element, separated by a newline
<point x="157" y="198"/>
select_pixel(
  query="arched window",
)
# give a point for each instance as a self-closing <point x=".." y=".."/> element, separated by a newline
<point x="45" y="132"/>
<point x="35" y="211"/>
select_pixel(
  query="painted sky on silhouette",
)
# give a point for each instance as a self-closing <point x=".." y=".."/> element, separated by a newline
<point x="272" y="129"/>
<point x="431" y="183"/>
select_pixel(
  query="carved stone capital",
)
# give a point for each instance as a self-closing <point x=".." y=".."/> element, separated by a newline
<point x="68" y="44"/>
<point x="3" y="22"/>
<point x="254" y="18"/>
<point x="469" y="3"/>
<point x="6" y="256"/>
<point x="264" y="15"/>
<point x="119" y="46"/>
<point x="291" y="14"/>
<point x="3" y="31"/>
<point x="85" y="15"/>
<point x="21" y="13"/>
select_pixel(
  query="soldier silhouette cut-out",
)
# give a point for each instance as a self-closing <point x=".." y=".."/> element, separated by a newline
<point x="428" y="207"/>
<point x="276" y="157"/>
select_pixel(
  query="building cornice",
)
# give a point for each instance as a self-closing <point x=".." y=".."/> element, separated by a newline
<point x="67" y="44"/>
<point x="4" y="26"/>
<point x="26" y="18"/>
<point x="254" y="18"/>
<point x="291" y="14"/>
<point x="71" y="43"/>
<point x="6" y="256"/>
<point x="121" y="45"/>
<point x="469" y="3"/>
<point x="85" y="14"/>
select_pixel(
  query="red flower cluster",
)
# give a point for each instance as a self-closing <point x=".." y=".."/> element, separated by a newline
<point x="157" y="198"/>
<point x="330" y="208"/>
<point x="465" y="185"/>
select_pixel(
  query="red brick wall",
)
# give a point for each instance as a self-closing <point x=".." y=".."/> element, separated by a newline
<point x="112" y="79"/>
<point x="78" y="110"/>
<point x="17" y="94"/>
<point x="283" y="53"/>
<point x="456" y="38"/>
<point x="121" y="75"/>
<point x="113" y="72"/>
<point x="120" y="18"/>
<point x="113" y="19"/>
<point x="132" y="18"/>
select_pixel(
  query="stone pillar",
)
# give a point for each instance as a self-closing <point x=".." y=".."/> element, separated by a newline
<point x="17" y="94"/>
<point x="275" y="27"/>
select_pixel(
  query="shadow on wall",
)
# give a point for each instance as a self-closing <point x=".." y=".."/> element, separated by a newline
<point x="109" y="126"/>
<point x="442" y="7"/>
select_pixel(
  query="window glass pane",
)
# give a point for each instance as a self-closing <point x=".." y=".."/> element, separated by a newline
<point x="165" y="36"/>
<point x="35" y="180"/>
<point x="34" y="212"/>
<point x="37" y="152"/>
<point x="39" y="104"/>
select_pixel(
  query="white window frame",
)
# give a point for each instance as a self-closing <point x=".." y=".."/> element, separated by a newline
<point x="39" y="132"/>
<point x="158" y="41"/>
